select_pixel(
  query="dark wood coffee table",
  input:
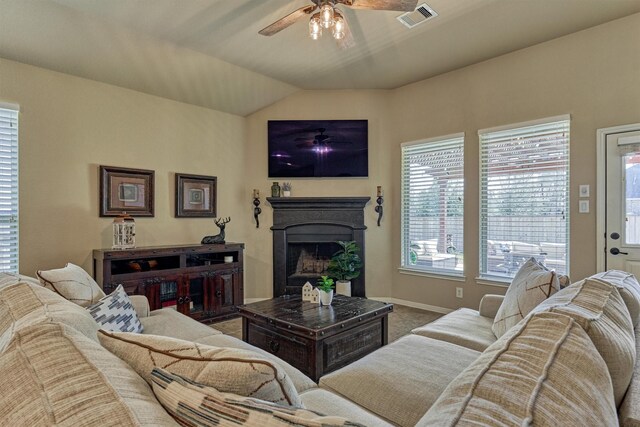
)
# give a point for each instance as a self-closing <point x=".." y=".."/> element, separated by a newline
<point x="316" y="339"/>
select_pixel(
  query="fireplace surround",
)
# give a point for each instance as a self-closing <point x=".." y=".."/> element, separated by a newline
<point x="305" y="230"/>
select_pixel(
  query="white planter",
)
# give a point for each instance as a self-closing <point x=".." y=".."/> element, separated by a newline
<point x="343" y="287"/>
<point x="286" y="193"/>
<point x="326" y="297"/>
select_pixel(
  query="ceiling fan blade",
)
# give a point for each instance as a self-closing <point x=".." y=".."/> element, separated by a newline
<point x="288" y="20"/>
<point x="347" y="41"/>
<point x="398" y="5"/>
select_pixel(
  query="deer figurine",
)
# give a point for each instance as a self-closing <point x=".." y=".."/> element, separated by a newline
<point x="218" y="238"/>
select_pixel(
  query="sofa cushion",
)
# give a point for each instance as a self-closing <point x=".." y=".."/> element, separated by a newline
<point x="194" y="405"/>
<point x="229" y="370"/>
<point x="7" y="279"/>
<point x="53" y="375"/>
<point x="72" y="283"/>
<point x="464" y="327"/>
<point x="169" y="323"/>
<point x="325" y="402"/>
<point x="598" y="307"/>
<point x="545" y="372"/>
<point x="23" y="304"/>
<point x="115" y="312"/>
<point x="300" y="380"/>
<point x="630" y="408"/>
<point x="531" y="285"/>
<point x="400" y="381"/>
<point x="628" y="287"/>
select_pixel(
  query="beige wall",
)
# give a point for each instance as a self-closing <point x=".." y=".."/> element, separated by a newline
<point x="592" y="75"/>
<point x="321" y="105"/>
<point x="69" y="126"/>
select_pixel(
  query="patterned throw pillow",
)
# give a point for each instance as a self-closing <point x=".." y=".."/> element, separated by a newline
<point x="115" y="312"/>
<point x="532" y="284"/>
<point x="72" y="283"/>
<point x="229" y="370"/>
<point x="198" y="405"/>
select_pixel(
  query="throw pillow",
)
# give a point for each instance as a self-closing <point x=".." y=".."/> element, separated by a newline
<point x="230" y="370"/>
<point x="7" y="279"/>
<point x="197" y="405"/>
<point x="52" y="375"/>
<point x="72" y="283"/>
<point x="532" y="284"/>
<point x="545" y="371"/>
<point x="115" y="312"/>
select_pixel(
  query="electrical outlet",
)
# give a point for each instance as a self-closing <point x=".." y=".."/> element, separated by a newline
<point x="458" y="292"/>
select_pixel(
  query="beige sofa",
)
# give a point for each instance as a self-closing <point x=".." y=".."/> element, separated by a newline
<point x="411" y="381"/>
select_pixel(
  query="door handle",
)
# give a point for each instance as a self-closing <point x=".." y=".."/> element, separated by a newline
<point x="616" y="251"/>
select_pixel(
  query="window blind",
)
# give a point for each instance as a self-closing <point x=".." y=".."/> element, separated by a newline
<point x="524" y="197"/>
<point x="433" y="204"/>
<point x="8" y="190"/>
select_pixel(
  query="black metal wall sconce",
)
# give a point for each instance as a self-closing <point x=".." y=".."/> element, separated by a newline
<point x="256" y="210"/>
<point x="379" y="201"/>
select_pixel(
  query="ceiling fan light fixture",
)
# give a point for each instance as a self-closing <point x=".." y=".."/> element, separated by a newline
<point x="326" y="15"/>
<point x="315" y="27"/>
<point x="338" y="26"/>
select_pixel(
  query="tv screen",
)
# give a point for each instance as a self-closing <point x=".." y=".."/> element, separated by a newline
<point x="318" y="148"/>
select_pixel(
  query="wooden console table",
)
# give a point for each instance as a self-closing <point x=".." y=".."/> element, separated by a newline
<point x="316" y="339"/>
<point x="195" y="279"/>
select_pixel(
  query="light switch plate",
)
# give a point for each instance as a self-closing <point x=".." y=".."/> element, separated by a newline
<point x="584" y="190"/>
<point x="583" y="206"/>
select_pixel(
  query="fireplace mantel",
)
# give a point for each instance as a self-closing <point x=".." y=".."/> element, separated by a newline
<point x="311" y="220"/>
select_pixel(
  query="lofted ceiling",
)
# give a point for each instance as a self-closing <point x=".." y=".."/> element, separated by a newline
<point x="209" y="52"/>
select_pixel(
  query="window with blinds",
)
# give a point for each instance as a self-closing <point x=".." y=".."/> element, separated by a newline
<point x="524" y="197"/>
<point x="433" y="205"/>
<point x="8" y="189"/>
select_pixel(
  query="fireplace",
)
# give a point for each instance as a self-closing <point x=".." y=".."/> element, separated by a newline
<point x="305" y="230"/>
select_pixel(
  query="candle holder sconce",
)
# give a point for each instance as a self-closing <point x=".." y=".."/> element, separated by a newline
<point x="379" y="209"/>
<point x="256" y="210"/>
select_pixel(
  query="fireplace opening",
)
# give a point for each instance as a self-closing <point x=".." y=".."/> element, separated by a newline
<point x="308" y="261"/>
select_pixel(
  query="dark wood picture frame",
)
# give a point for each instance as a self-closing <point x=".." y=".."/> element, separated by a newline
<point x="126" y="190"/>
<point x="196" y="196"/>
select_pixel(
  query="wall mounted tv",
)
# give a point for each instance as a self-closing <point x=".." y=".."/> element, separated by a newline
<point x="318" y="148"/>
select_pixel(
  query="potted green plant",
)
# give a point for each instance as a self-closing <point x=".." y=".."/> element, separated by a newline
<point x="345" y="265"/>
<point x="286" y="189"/>
<point x="325" y="286"/>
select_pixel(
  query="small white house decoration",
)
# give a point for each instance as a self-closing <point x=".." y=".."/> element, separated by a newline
<point x="306" y="291"/>
<point x="315" y="296"/>
<point x="124" y="232"/>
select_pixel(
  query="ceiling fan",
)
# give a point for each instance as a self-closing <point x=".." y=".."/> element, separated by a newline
<point x="320" y="139"/>
<point x="329" y="17"/>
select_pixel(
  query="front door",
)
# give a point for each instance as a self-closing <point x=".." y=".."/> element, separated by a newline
<point x="622" y="230"/>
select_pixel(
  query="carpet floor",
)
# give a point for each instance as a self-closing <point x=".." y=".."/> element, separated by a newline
<point x="401" y="321"/>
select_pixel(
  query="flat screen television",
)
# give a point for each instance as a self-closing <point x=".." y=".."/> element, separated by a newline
<point x="318" y="148"/>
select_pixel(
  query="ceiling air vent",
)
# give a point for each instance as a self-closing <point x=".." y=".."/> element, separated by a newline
<point x="418" y="16"/>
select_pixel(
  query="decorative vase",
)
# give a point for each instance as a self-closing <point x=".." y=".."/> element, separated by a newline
<point x="286" y="193"/>
<point x="326" y="297"/>
<point x="343" y="287"/>
<point x="275" y="189"/>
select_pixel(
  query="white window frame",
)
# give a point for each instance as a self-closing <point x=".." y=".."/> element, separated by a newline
<point x="485" y="276"/>
<point x="9" y="173"/>
<point x="405" y="265"/>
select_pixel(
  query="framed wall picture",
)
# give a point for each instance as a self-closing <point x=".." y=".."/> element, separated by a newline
<point x="196" y="196"/>
<point x="126" y="190"/>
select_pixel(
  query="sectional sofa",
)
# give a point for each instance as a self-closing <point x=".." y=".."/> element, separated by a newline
<point x="572" y="361"/>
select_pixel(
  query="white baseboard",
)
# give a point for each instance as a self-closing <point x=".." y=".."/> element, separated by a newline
<point x="427" y="307"/>
<point x="250" y="300"/>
